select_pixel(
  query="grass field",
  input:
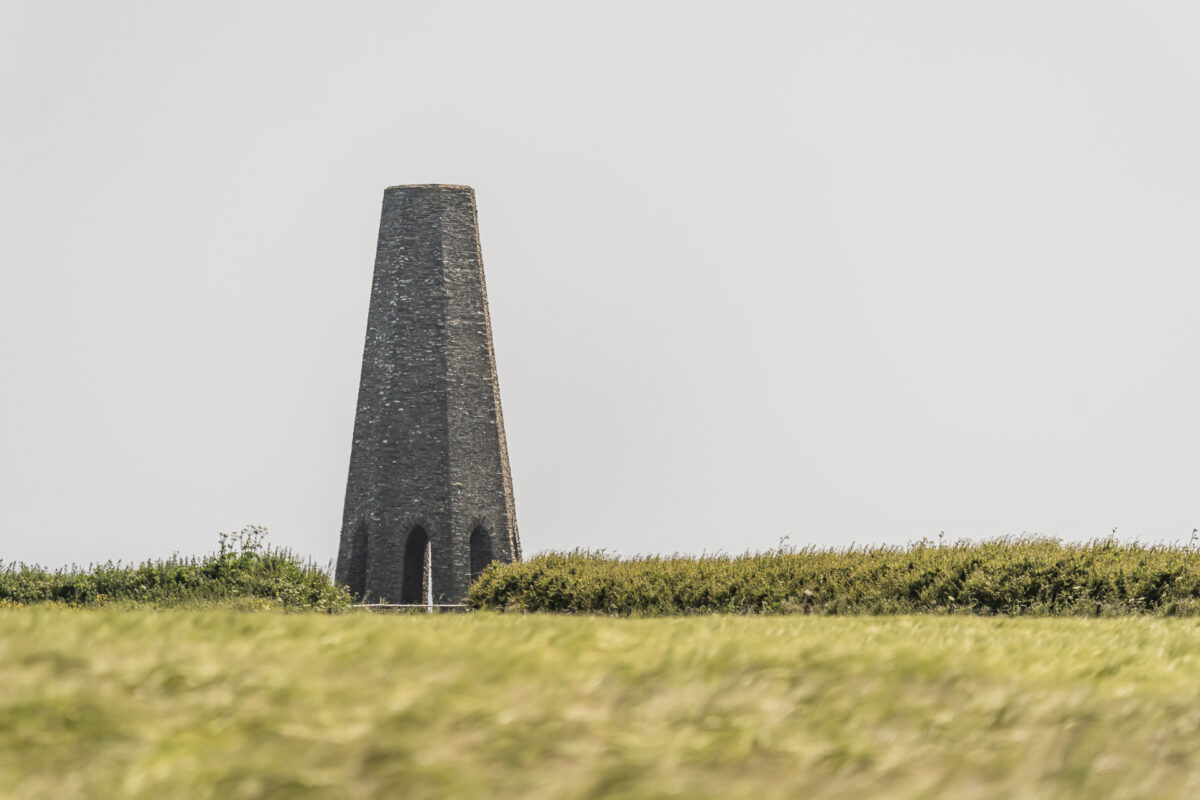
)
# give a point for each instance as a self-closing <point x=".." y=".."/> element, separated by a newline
<point x="222" y="704"/>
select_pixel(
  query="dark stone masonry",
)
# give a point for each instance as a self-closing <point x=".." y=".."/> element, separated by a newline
<point x="429" y="479"/>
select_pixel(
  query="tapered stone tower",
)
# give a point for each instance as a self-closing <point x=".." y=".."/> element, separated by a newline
<point x="429" y="491"/>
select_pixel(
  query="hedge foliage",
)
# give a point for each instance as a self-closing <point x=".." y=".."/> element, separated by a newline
<point x="1005" y="576"/>
<point x="243" y="571"/>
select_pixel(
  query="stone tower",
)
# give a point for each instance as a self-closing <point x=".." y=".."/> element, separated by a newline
<point x="429" y="491"/>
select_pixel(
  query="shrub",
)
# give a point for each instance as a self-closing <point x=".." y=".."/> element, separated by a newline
<point x="243" y="571"/>
<point x="1003" y="576"/>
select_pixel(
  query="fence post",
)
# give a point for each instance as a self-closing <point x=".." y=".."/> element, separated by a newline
<point x="429" y="578"/>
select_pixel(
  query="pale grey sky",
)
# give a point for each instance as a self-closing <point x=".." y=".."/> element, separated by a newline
<point x="846" y="272"/>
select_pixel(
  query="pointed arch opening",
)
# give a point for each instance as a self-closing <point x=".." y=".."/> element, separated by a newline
<point x="481" y="551"/>
<point x="416" y="559"/>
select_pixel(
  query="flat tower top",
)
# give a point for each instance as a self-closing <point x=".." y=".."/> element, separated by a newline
<point x="404" y="186"/>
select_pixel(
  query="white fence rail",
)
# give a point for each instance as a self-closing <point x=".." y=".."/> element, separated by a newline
<point x="428" y="605"/>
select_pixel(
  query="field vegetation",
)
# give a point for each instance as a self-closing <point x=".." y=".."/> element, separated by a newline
<point x="1006" y="576"/>
<point x="196" y="704"/>
<point x="157" y="681"/>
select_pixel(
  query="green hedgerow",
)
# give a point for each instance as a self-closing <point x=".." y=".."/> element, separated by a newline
<point x="1004" y="576"/>
<point x="244" y="571"/>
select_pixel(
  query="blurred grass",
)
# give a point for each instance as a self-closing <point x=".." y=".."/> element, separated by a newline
<point x="1021" y="576"/>
<point x="219" y="704"/>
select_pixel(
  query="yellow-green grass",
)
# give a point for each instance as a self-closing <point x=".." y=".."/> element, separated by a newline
<point x="223" y="704"/>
